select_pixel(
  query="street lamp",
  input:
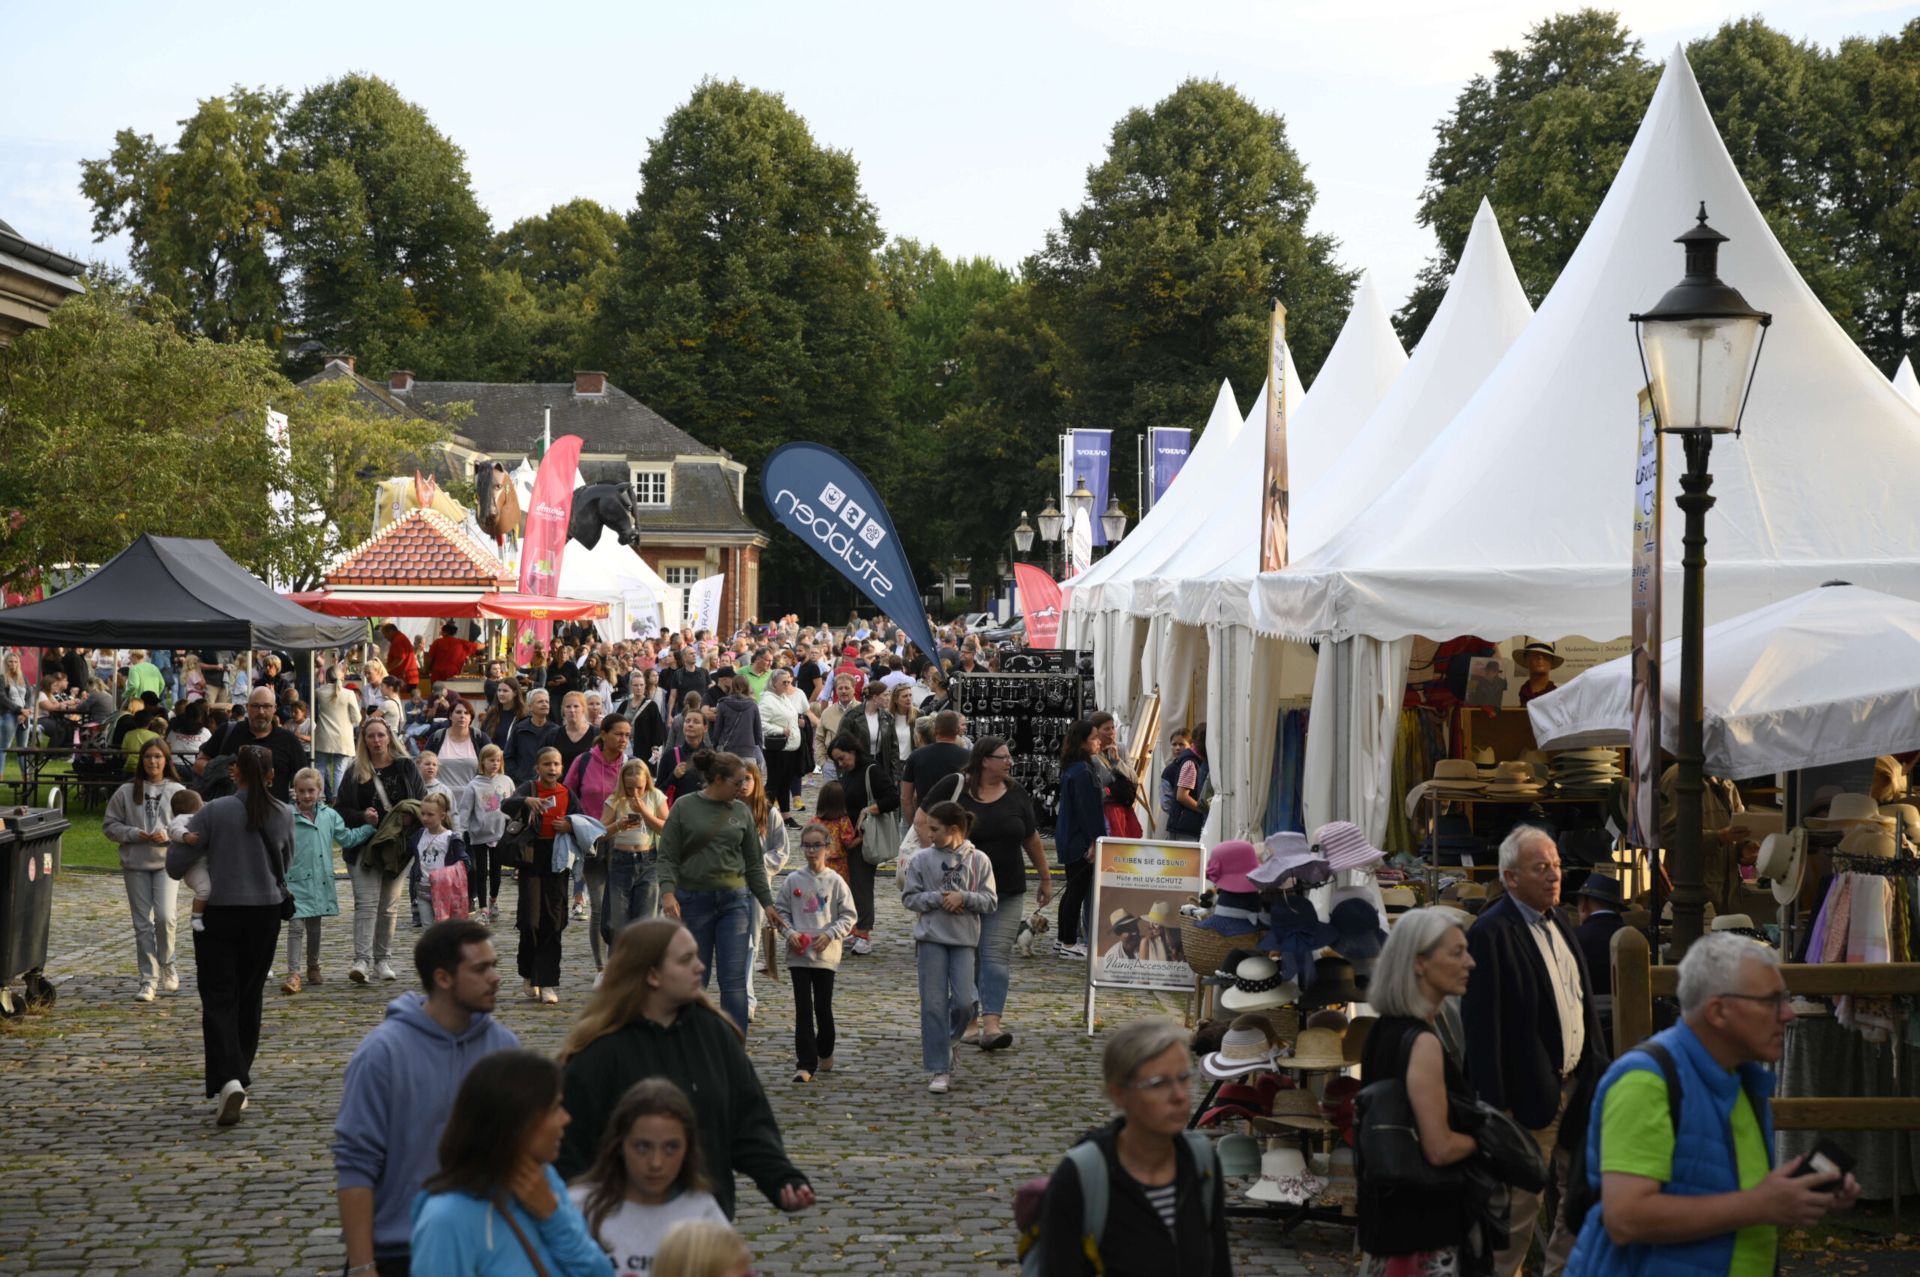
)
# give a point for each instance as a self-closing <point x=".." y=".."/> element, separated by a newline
<point x="1079" y="502"/>
<point x="1114" y="522"/>
<point x="1699" y="348"/>
<point x="1023" y="535"/>
<point x="1051" y="521"/>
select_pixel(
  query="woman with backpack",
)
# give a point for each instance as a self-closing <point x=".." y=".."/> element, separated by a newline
<point x="1164" y="1200"/>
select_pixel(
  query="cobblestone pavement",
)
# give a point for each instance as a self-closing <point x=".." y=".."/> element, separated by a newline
<point x="111" y="1164"/>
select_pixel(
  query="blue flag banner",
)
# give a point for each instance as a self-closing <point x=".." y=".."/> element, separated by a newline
<point x="822" y="498"/>
<point x="1170" y="445"/>
<point x="1089" y="459"/>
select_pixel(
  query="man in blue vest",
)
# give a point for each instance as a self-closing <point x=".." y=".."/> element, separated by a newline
<point x="1696" y="1193"/>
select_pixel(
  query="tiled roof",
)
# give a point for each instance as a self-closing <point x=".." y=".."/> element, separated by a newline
<point x="421" y="547"/>
<point x="507" y="417"/>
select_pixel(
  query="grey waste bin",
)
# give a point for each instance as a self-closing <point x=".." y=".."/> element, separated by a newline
<point x="30" y="841"/>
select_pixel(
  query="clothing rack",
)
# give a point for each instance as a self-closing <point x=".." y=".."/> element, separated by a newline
<point x="1879" y="866"/>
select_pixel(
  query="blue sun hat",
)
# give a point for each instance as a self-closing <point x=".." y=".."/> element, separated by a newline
<point x="1295" y="932"/>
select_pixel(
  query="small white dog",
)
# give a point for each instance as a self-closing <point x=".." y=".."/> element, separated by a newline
<point x="1030" y="927"/>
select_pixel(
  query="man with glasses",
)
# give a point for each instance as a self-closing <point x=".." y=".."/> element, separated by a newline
<point x="1696" y="1191"/>
<point x="261" y="727"/>
<point x="1532" y="1029"/>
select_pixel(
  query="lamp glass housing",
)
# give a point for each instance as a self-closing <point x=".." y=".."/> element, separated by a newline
<point x="1699" y="368"/>
<point x="1079" y="502"/>
<point x="1114" y="522"/>
<point x="1050" y="523"/>
<point x="1023" y="535"/>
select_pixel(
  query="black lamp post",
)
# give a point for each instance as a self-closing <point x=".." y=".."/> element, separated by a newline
<point x="1699" y="347"/>
<point x="1052" y="524"/>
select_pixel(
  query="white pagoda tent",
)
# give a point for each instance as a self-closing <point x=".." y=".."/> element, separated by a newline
<point x="1906" y="383"/>
<point x="1516" y="519"/>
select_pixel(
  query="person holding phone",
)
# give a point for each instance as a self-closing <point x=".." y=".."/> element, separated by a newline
<point x="1696" y="1190"/>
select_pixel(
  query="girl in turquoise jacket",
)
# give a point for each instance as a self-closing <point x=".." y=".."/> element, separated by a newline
<point x="316" y="828"/>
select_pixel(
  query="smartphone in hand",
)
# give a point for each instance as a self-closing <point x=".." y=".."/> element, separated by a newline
<point x="1829" y="1161"/>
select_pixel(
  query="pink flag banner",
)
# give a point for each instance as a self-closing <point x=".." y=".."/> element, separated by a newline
<point x="1040" y="604"/>
<point x="548" y="515"/>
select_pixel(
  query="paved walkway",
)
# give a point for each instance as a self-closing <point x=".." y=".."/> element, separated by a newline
<point x="110" y="1163"/>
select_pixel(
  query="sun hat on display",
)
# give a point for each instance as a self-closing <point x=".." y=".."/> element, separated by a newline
<point x="1235" y="913"/>
<point x="1239" y="1155"/>
<point x="1163" y="914"/>
<point x="1241" y="1051"/>
<point x="1296" y="933"/>
<point x="1907" y="816"/>
<point x="1452" y="778"/>
<point x="1257" y="984"/>
<point x="1874" y="841"/>
<point x="1290" y="856"/>
<point x="1357" y="924"/>
<point x="1229" y="863"/>
<point x="1297" y="1110"/>
<point x="1397" y="900"/>
<point x="1741" y="925"/>
<point x="1315" y="1049"/>
<point x="1284" y="1177"/>
<point x="1345" y="847"/>
<point x="1783" y="860"/>
<point x="1327" y="1018"/>
<point x="1848" y="810"/>
<point x="1334" y="980"/>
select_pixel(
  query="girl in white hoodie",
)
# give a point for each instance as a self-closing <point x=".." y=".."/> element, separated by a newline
<point x="816" y="906"/>
<point x="477" y="815"/>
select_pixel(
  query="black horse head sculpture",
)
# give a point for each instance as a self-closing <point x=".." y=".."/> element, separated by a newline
<point x="603" y="507"/>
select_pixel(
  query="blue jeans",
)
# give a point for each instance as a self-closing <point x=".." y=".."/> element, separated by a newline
<point x="994" y="961"/>
<point x="721" y="922"/>
<point x="947" y="1000"/>
<point x="9" y="733"/>
<point x="633" y="889"/>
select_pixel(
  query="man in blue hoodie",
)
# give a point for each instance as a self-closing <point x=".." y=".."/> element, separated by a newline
<point x="399" y="1090"/>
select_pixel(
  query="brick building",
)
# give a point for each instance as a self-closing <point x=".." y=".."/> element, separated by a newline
<point x="690" y="497"/>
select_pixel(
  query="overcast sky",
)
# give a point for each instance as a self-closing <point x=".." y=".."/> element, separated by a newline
<point x="973" y="124"/>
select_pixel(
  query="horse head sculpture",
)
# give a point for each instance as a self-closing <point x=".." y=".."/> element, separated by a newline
<point x="603" y="507"/>
<point x="499" y="513"/>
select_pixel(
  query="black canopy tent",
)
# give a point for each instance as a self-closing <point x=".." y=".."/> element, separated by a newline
<point x="174" y="592"/>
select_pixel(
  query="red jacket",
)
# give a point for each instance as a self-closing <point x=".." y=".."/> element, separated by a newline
<point x="401" y="661"/>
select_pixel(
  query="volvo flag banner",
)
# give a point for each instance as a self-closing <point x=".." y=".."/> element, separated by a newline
<point x="1170" y="446"/>
<point x="1090" y="453"/>
<point x="822" y="498"/>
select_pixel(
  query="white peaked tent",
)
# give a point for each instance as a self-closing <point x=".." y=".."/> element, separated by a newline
<point x="1211" y="674"/>
<point x="613" y="574"/>
<point x="1483" y="312"/>
<point x="1516" y="519"/>
<point x="1823" y="677"/>
<point x="1362" y="364"/>
<point x="1508" y="523"/>
<point x="1906" y="383"/>
<point x="1092" y="619"/>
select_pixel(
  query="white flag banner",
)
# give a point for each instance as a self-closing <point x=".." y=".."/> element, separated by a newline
<point x="704" y="607"/>
<point x="1080" y="544"/>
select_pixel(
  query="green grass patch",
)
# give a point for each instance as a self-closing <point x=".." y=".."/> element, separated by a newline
<point x="83" y="846"/>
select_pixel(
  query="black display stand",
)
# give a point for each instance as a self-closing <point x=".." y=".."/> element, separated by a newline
<point x="1032" y="712"/>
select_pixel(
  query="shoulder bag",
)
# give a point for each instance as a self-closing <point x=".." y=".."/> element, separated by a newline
<point x="1388" y="1153"/>
<point x="502" y="1204"/>
<point x="879" y="831"/>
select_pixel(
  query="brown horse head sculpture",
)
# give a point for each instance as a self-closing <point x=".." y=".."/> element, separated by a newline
<point x="499" y="513"/>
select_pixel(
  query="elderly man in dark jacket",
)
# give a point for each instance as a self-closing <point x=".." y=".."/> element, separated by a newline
<point x="1533" y="1032"/>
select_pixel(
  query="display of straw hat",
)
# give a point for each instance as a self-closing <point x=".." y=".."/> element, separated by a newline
<point x="1848" y="810"/>
<point x="1257" y="984"/>
<point x="1284" y="1177"/>
<point x="1908" y="817"/>
<point x="1783" y="860"/>
<point x="1871" y="840"/>
<point x="1242" y="1050"/>
<point x="1296" y="1110"/>
<point x="1315" y="1049"/>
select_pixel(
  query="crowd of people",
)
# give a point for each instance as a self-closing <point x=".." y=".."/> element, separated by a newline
<point x="657" y="808"/>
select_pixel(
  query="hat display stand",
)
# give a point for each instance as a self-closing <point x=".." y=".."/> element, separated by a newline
<point x="1269" y="1098"/>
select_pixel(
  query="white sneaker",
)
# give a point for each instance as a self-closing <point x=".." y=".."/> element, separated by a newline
<point x="170" y="980"/>
<point x="385" y="971"/>
<point x="1071" y="952"/>
<point x="357" y="973"/>
<point x="145" y="992"/>
<point x="860" y="945"/>
<point x="939" y="1084"/>
<point x="227" y="1105"/>
<point x="533" y="990"/>
<point x="550" y="996"/>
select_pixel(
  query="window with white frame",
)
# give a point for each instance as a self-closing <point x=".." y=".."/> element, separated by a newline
<point x="684" y="579"/>
<point x="651" y="485"/>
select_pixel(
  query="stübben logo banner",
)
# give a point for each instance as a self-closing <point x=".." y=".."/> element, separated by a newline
<point x="824" y="499"/>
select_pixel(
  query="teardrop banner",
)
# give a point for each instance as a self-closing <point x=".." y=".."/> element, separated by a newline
<point x="824" y="499"/>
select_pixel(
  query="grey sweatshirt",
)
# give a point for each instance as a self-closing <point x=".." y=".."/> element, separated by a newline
<point x="934" y="872"/>
<point x="127" y="818"/>
<point x="248" y="867"/>
<point x="818" y="905"/>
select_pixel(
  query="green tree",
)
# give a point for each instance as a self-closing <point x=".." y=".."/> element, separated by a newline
<point x="1158" y="283"/>
<point x="120" y="423"/>
<point x="544" y="290"/>
<point x="1875" y="167"/>
<point x="933" y="300"/>
<point x="384" y="237"/>
<point x="1541" y="138"/>
<point x="746" y="304"/>
<point x="203" y="214"/>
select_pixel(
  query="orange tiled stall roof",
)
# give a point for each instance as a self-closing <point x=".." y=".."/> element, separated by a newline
<point x="422" y="547"/>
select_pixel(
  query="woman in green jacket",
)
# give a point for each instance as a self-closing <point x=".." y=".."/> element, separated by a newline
<point x="648" y="1019"/>
<point x="712" y="868"/>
